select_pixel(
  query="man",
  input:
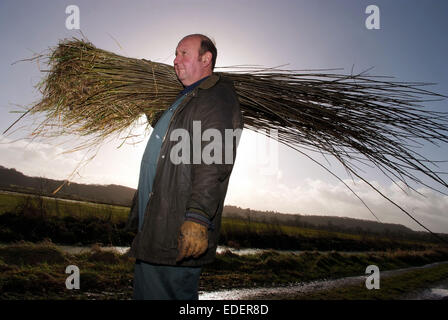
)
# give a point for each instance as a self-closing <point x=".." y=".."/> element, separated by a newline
<point x="178" y="206"/>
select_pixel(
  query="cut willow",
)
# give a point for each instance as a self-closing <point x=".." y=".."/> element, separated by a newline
<point x="357" y="119"/>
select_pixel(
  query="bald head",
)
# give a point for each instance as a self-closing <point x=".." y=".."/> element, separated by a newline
<point x="194" y="60"/>
<point x="207" y="45"/>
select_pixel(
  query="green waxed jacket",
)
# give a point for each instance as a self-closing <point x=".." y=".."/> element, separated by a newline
<point x="188" y="187"/>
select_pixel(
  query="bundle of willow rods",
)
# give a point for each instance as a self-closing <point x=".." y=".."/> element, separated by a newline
<point x="355" y="118"/>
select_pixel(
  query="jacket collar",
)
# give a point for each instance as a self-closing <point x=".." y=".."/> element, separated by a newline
<point x="209" y="82"/>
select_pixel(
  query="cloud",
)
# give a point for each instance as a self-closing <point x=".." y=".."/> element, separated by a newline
<point x="37" y="158"/>
<point x="49" y="160"/>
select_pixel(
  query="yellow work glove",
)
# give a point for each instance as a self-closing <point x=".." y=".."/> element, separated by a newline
<point x="192" y="240"/>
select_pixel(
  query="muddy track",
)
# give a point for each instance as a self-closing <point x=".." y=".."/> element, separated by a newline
<point x="439" y="291"/>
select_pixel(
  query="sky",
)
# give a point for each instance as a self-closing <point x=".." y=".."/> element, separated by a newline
<point x="409" y="45"/>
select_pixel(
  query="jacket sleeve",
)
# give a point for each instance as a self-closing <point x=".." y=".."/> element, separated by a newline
<point x="132" y="223"/>
<point x="209" y="181"/>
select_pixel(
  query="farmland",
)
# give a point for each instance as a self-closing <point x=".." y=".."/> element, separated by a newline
<point x="33" y="266"/>
<point x="35" y="218"/>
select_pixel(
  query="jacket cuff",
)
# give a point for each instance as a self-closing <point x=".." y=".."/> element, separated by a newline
<point x="199" y="218"/>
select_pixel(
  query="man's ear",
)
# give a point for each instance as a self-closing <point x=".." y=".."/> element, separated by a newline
<point x="206" y="58"/>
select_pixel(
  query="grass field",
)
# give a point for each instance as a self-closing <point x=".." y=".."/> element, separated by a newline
<point x="36" y="269"/>
<point x="34" y="218"/>
<point x="10" y="202"/>
<point x="241" y="233"/>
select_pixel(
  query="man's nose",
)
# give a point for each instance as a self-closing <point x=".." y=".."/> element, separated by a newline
<point x="176" y="60"/>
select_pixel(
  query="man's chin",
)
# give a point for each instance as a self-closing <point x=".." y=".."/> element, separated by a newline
<point x="180" y="77"/>
<point x="183" y="80"/>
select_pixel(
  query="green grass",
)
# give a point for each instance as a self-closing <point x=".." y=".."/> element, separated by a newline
<point x="37" y="271"/>
<point x="261" y="227"/>
<point x="64" y="222"/>
<point x="63" y="208"/>
<point x="240" y="233"/>
<point x="8" y="202"/>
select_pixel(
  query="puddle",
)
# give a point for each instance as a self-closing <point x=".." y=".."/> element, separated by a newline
<point x="439" y="291"/>
<point x="270" y="293"/>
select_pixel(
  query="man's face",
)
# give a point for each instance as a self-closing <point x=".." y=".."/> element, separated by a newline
<point x="187" y="64"/>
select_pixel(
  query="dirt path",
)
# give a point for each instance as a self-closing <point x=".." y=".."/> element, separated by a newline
<point x="437" y="291"/>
